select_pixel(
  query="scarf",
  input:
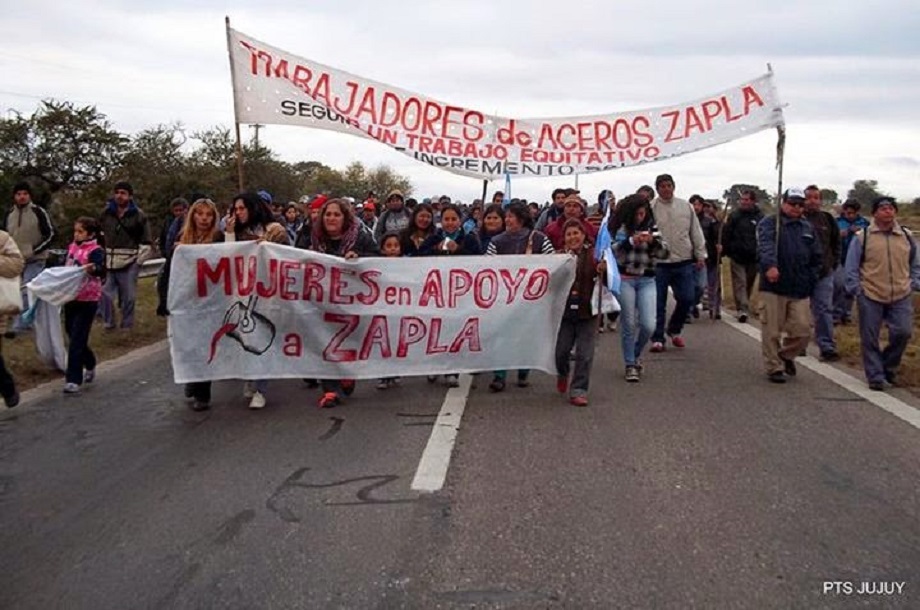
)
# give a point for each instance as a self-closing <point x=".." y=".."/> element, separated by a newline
<point x="320" y="242"/>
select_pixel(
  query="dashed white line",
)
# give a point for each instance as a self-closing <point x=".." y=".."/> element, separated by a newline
<point x="432" y="468"/>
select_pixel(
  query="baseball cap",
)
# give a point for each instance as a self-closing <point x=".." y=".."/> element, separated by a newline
<point x="794" y="193"/>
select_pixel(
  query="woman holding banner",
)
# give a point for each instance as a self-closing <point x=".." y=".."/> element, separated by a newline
<point x="414" y="238"/>
<point x="251" y="219"/>
<point x="338" y="232"/>
<point x="519" y="238"/>
<point x="637" y="244"/>
<point x="451" y="240"/>
<point x="200" y="228"/>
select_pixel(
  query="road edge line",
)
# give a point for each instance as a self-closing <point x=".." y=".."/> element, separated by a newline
<point x="432" y="467"/>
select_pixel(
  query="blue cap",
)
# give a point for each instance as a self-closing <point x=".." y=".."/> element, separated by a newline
<point x="265" y="196"/>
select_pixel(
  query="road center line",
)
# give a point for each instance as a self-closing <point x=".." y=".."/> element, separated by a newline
<point x="882" y="400"/>
<point x="432" y="468"/>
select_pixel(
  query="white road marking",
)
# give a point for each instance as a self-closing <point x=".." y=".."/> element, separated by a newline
<point x="432" y="468"/>
<point x="882" y="400"/>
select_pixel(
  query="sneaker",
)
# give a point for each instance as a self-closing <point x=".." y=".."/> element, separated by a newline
<point x="329" y="400"/>
<point x="562" y="384"/>
<point x="777" y="377"/>
<point x="71" y="388"/>
<point x="453" y="381"/>
<point x="497" y="385"/>
<point x="12" y="400"/>
<point x="678" y="341"/>
<point x="742" y="317"/>
<point x="612" y="326"/>
<point x="89" y="376"/>
<point x="200" y="405"/>
<point x="657" y="347"/>
<point x="383" y="384"/>
<point x="522" y="381"/>
<point x="877" y="386"/>
<point x="789" y="367"/>
<point x="695" y="312"/>
<point x="600" y="328"/>
<point x="249" y="389"/>
<point x="579" y="401"/>
<point x="632" y="374"/>
<point x="639" y="366"/>
<point x="258" y="400"/>
<point x="891" y="377"/>
<point x="829" y="356"/>
<point x="348" y="387"/>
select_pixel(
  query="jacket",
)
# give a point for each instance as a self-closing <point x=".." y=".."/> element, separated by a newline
<point x="680" y="228"/>
<point x="578" y="305"/>
<point x="31" y="228"/>
<point x="638" y="259"/>
<point x="11" y="264"/>
<point x="88" y="252"/>
<point x="554" y="231"/>
<point x="798" y="257"/>
<point x="468" y="242"/>
<point x="710" y="227"/>
<point x="391" y="222"/>
<point x="883" y="265"/>
<point x="739" y="237"/>
<point x="515" y="243"/>
<point x="829" y="234"/>
<point x="848" y="231"/>
<point x="123" y="236"/>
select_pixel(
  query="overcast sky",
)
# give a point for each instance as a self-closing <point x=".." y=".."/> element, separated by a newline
<point x="849" y="74"/>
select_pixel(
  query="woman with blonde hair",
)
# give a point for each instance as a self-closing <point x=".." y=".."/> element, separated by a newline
<point x="201" y="227"/>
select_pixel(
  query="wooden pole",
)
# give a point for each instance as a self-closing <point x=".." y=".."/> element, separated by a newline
<point x="236" y="114"/>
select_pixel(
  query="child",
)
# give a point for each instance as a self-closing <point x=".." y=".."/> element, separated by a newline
<point x="389" y="247"/>
<point x="79" y="313"/>
<point x="579" y="324"/>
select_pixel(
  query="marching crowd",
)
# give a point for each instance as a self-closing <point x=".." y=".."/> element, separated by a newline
<point x="809" y="266"/>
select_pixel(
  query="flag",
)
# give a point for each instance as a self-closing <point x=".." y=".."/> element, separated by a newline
<point x="506" y="201"/>
<point x="603" y="249"/>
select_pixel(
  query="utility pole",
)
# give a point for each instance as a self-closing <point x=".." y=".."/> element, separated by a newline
<point x="256" y="127"/>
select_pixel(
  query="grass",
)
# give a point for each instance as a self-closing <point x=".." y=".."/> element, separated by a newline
<point x="22" y="359"/>
<point x="847" y="338"/>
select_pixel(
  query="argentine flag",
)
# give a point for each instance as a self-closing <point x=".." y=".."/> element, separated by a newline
<point x="603" y="249"/>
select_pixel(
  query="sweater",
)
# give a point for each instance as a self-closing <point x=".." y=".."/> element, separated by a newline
<point x="31" y="228"/>
<point x="883" y="264"/>
<point x="680" y="229"/>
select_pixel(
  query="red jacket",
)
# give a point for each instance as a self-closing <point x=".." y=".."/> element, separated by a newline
<point x="557" y="237"/>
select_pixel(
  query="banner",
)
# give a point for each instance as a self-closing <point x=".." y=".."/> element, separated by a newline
<point x="273" y="86"/>
<point x="266" y="311"/>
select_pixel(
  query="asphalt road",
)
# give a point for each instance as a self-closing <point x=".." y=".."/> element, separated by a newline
<point x="703" y="486"/>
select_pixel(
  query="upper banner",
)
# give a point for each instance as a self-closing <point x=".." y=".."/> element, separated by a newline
<point x="252" y="310"/>
<point x="273" y="86"/>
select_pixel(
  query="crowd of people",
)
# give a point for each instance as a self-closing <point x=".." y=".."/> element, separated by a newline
<point x="809" y="265"/>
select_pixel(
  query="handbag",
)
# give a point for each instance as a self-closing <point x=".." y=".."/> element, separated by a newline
<point x="602" y="300"/>
<point x="10" y="296"/>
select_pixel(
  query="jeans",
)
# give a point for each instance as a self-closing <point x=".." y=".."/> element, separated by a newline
<point x="680" y="278"/>
<point x="581" y="334"/>
<point x="123" y="285"/>
<point x="822" y="314"/>
<point x="899" y="316"/>
<point x="638" y="296"/>
<point x="78" y="322"/>
<point x="699" y="284"/>
<point x="29" y="273"/>
<point x="843" y="302"/>
<point x="714" y="288"/>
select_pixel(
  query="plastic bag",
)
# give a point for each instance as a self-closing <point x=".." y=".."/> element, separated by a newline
<point x="58" y="285"/>
<point x="603" y="301"/>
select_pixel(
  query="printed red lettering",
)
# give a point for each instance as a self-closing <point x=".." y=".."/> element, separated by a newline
<point x="692" y="122"/>
<point x="432" y="289"/>
<point x="485" y="300"/>
<point x="568" y="129"/>
<point x="369" y="279"/>
<point x="301" y="79"/>
<point x="411" y="331"/>
<point x="473" y="121"/>
<point x="750" y="99"/>
<point x="434" y="336"/>
<point x="711" y="109"/>
<point x="469" y="334"/>
<point x="674" y="115"/>
<point x="459" y="282"/>
<point x="642" y="138"/>
<point x="245" y="278"/>
<point x="729" y="117"/>
<point x="377" y="334"/>
<point x="368" y="106"/>
<point x="336" y="285"/>
<point x="293" y="345"/>
<point x="266" y="291"/>
<point x="208" y="275"/>
<point x="512" y="283"/>
<point x="287" y="280"/>
<point x="312" y="288"/>
<point x="537" y="285"/>
<point x="433" y="113"/>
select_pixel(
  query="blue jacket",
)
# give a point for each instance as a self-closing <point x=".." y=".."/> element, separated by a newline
<point x="798" y="257"/>
<point x="845" y="225"/>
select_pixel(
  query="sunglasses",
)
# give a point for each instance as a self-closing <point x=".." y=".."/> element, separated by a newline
<point x="796" y="204"/>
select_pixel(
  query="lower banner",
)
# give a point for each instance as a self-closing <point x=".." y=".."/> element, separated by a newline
<point x="266" y="311"/>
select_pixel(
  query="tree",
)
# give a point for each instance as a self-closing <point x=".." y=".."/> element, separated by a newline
<point x="864" y="191"/>
<point x="61" y="146"/>
<point x="733" y="194"/>
<point x="829" y="196"/>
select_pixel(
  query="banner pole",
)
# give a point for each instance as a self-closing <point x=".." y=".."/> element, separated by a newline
<point x="236" y="114"/>
<point x="485" y="186"/>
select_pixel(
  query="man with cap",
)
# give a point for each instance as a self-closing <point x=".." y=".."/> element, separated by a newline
<point x="822" y="300"/>
<point x="850" y="222"/>
<point x="126" y="231"/>
<point x="881" y="272"/>
<point x="368" y="213"/>
<point x="680" y="229"/>
<point x="395" y="218"/>
<point x="574" y="207"/>
<point x="790" y="264"/>
<point x="30" y="227"/>
<point x="554" y="210"/>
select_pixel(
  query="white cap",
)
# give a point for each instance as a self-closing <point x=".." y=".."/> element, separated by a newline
<point x="794" y="193"/>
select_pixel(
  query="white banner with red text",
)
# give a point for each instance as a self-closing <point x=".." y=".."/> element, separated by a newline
<point x="274" y="86"/>
<point x="266" y="311"/>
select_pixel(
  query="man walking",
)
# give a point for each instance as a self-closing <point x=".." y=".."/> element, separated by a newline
<point x="30" y="227"/>
<point x="739" y="243"/>
<point x="822" y="299"/>
<point x="881" y="271"/>
<point x="126" y="229"/>
<point x="850" y="222"/>
<point x="790" y="263"/>
<point x="680" y="229"/>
